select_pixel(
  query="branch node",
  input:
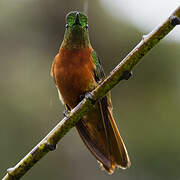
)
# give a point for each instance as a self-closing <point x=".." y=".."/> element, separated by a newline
<point x="10" y="170"/>
<point x="174" y="20"/>
<point x="144" y="37"/>
<point x="50" y="146"/>
<point x="126" y="75"/>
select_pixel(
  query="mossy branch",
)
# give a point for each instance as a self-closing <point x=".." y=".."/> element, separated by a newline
<point x="118" y="74"/>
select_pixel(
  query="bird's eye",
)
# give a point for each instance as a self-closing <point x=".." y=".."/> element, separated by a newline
<point x="67" y="26"/>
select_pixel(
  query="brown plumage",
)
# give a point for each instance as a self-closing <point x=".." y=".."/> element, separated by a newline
<point x="73" y="74"/>
<point x="77" y="70"/>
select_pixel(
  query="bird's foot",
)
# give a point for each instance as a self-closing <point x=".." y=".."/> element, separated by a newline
<point x="127" y="75"/>
<point x="87" y="95"/>
<point x="66" y="113"/>
<point x="174" y="20"/>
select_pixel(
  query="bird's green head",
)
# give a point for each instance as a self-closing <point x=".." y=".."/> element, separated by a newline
<point x="76" y="34"/>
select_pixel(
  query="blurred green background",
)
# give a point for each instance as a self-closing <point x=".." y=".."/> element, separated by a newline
<point x="146" y="107"/>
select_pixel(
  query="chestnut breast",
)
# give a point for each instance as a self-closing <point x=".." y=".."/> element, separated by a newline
<point x="73" y="73"/>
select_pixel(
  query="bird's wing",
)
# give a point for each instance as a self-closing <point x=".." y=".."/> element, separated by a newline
<point x="99" y="73"/>
<point x="99" y="131"/>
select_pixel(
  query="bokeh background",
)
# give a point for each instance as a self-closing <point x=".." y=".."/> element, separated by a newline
<point x="146" y="107"/>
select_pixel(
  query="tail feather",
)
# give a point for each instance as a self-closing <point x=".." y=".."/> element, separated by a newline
<point x="92" y="146"/>
<point x="100" y="134"/>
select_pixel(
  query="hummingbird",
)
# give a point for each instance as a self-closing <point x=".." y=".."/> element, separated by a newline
<point x="77" y="70"/>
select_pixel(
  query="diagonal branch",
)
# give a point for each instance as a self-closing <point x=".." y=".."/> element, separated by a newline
<point x="119" y="73"/>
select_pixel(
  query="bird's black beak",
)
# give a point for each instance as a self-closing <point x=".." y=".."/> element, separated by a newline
<point x="77" y="22"/>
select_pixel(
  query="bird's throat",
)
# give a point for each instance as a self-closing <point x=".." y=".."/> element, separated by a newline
<point x="76" y="39"/>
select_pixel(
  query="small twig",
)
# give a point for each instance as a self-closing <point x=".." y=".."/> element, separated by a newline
<point x="119" y="73"/>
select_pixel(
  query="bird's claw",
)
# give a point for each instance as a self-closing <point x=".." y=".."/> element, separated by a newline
<point x="66" y="113"/>
<point x="87" y="95"/>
